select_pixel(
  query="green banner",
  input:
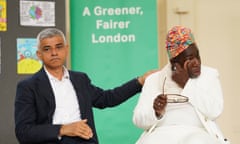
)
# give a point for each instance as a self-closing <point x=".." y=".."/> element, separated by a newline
<point x="114" y="41"/>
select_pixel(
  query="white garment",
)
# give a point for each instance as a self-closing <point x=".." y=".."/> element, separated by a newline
<point x="177" y="134"/>
<point x="204" y="93"/>
<point x="67" y="107"/>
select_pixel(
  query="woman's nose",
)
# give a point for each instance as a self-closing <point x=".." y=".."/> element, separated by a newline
<point x="196" y="61"/>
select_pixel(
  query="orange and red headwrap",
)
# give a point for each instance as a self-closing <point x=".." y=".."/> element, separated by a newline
<point x="178" y="39"/>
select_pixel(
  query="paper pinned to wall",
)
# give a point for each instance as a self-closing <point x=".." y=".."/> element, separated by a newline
<point x="3" y="15"/>
<point x="36" y="13"/>
<point x="27" y="60"/>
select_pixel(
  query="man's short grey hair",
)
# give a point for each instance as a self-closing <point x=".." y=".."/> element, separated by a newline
<point x="48" y="33"/>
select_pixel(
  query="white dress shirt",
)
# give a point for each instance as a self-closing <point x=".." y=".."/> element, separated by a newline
<point x="67" y="107"/>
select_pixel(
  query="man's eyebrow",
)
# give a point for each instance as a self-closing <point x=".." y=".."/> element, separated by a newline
<point x="47" y="46"/>
<point x="59" y="44"/>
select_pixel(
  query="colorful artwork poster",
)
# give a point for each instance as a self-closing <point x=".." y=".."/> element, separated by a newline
<point x="3" y="15"/>
<point x="37" y="13"/>
<point x="27" y="60"/>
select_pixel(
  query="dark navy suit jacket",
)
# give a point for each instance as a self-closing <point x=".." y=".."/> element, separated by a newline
<point x="35" y="106"/>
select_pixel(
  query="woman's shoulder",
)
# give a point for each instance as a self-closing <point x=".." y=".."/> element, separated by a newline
<point x="209" y="71"/>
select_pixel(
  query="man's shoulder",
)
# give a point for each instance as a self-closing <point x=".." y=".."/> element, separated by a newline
<point x="76" y="73"/>
<point x="78" y="76"/>
<point x="32" y="78"/>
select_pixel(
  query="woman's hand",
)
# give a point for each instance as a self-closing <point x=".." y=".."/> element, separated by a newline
<point x="159" y="105"/>
<point x="180" y="75"/>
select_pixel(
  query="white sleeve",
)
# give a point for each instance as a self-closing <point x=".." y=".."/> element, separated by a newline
<point x="205" y="93"/>
<point x="144" y="115"/>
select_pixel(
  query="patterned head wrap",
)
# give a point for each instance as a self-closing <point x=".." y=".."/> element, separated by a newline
<point x="178" y="39"/>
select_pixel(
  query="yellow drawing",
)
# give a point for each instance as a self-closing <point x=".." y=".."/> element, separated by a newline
<point x="3" y="15"/>
<point x="28" y="66"/>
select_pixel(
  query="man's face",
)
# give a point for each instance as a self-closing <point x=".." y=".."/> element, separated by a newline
<point x="53" y="52"/>
<point x="190" y="59"/>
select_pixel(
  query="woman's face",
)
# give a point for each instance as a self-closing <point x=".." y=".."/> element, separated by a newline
<point x="189" y="58"/>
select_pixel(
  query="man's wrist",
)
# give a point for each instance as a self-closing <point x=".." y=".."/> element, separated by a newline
<point x="61" y="130"/>
<point x="140" y="80"/>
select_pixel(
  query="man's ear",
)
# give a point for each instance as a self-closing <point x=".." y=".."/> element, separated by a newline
<point x="39" y="55"/>
<point x="67" y="46"/>
<point x="67" y="49"/>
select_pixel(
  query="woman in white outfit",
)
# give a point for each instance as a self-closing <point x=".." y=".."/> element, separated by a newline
<point x="190" y="118"/>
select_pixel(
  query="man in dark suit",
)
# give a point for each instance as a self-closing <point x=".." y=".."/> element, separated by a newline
<point x="54" y="106"/>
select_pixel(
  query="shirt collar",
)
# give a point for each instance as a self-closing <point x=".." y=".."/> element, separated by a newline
<point x="51" y="77"/>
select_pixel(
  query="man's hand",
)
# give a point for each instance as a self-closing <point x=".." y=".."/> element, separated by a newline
<point x="180" y="75"/>
<point x="159" y="105"/>
<point x="80" y="129"/>
<point x="141" y="79"/>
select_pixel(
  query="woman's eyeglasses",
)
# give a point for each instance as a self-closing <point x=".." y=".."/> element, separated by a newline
<point x="173" y="98"/>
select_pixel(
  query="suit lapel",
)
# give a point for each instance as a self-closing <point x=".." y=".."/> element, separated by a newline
<point x="45" y="89"/>
<point x="77" y="84"/>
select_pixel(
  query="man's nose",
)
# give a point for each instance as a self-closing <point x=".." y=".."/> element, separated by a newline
<point x="54" y="51"/>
